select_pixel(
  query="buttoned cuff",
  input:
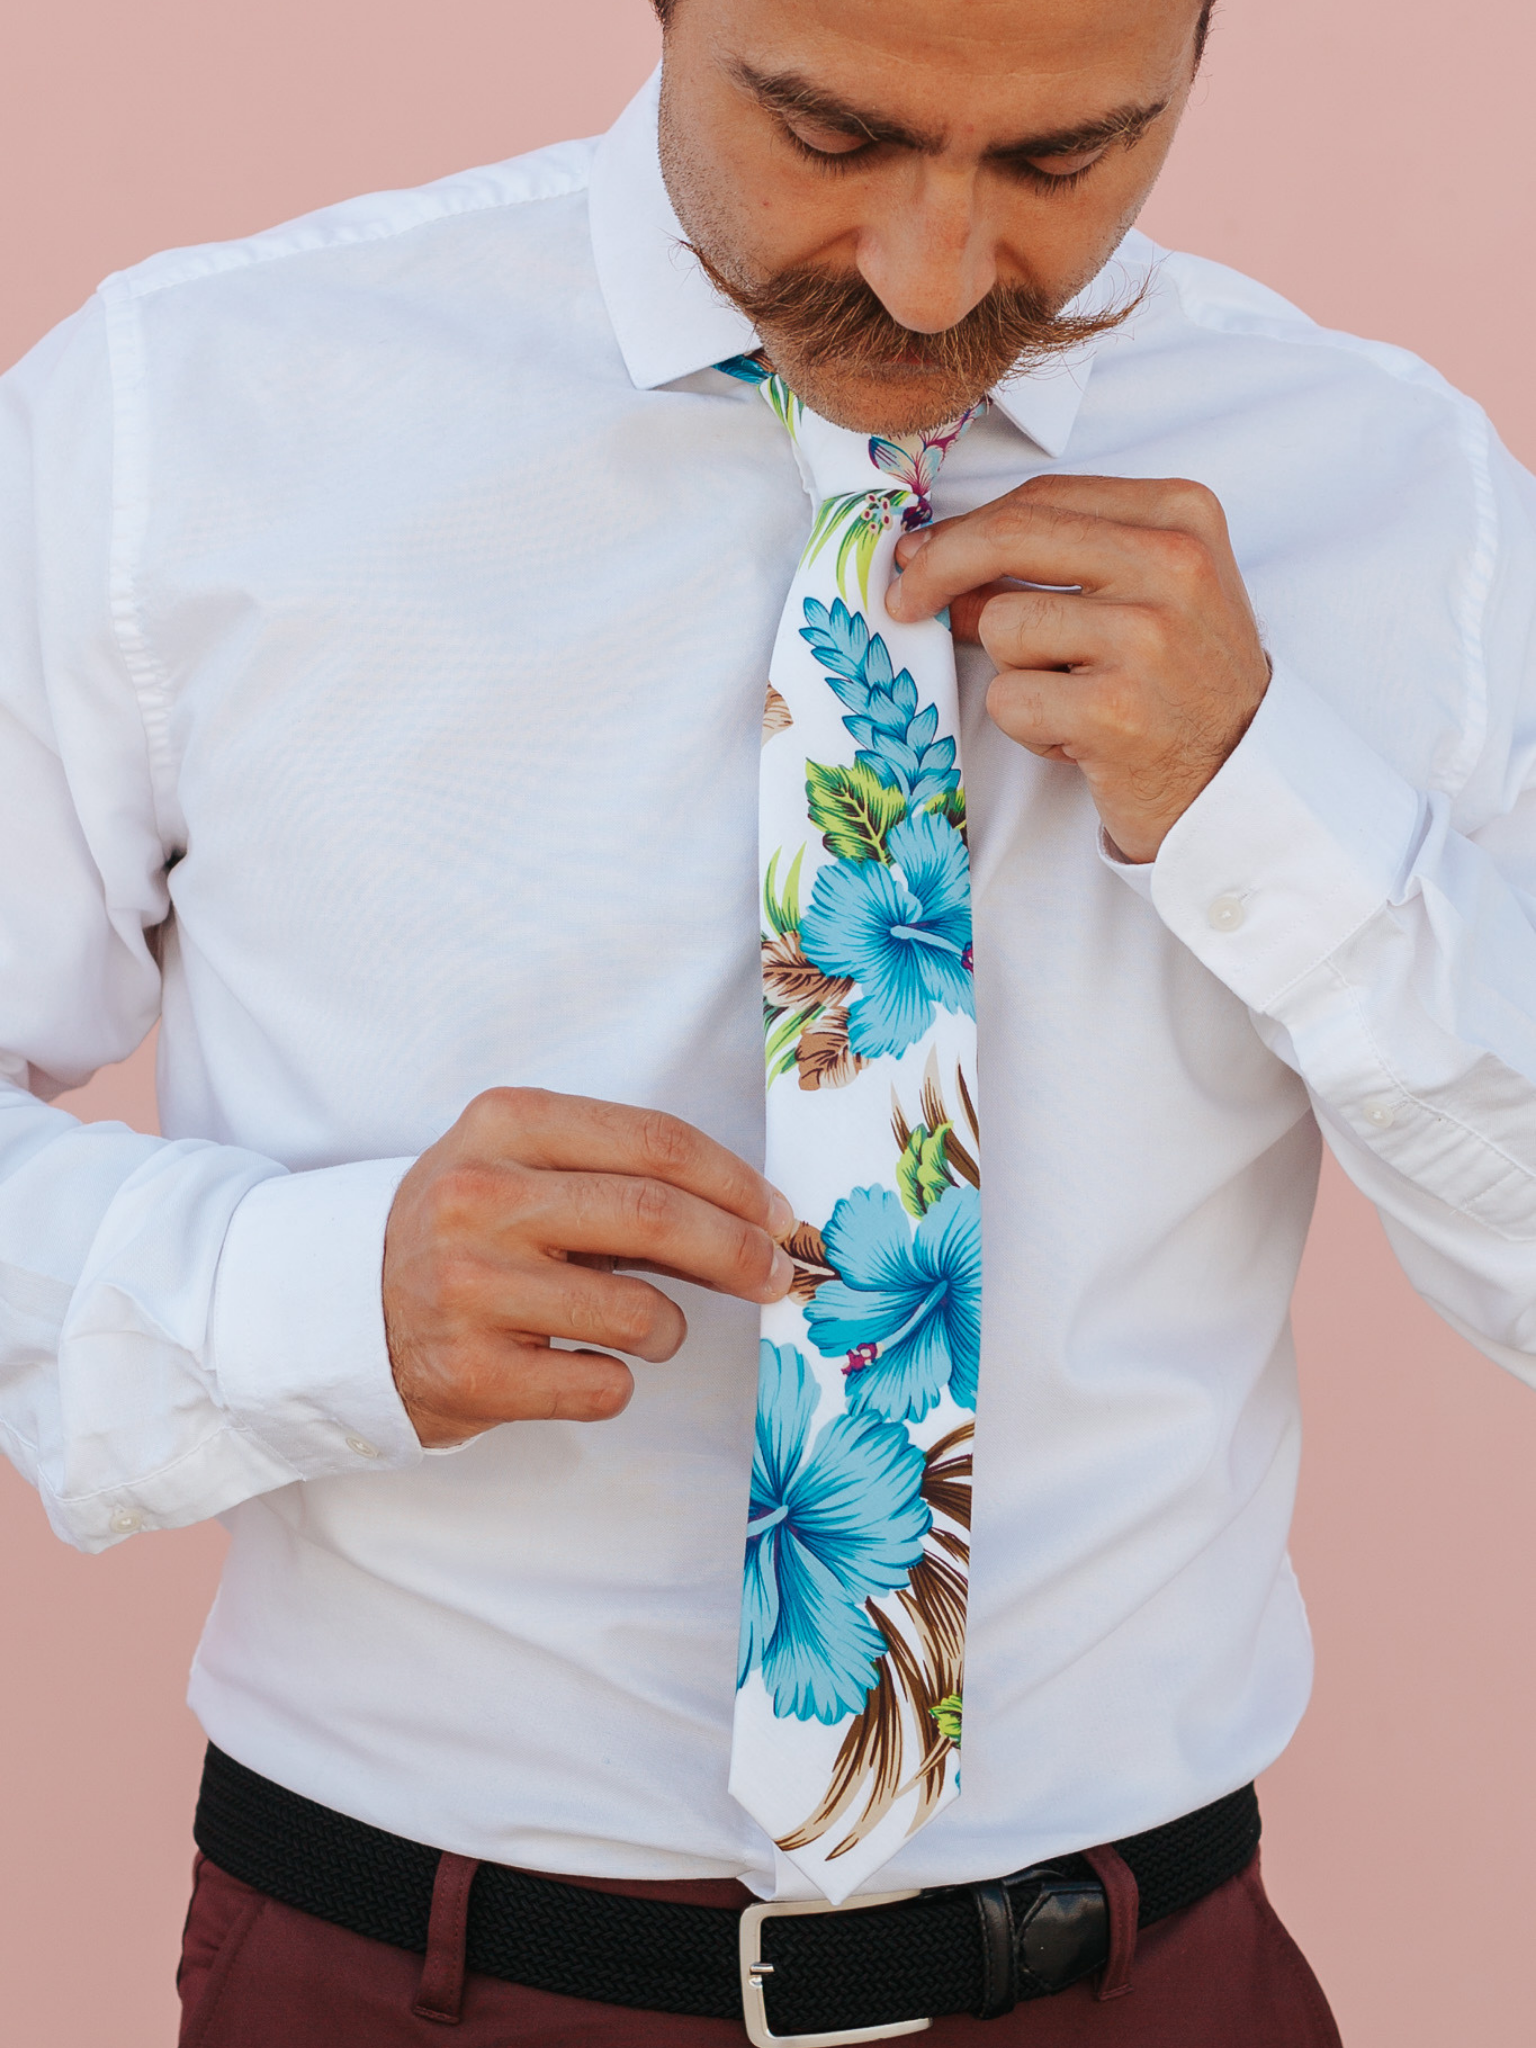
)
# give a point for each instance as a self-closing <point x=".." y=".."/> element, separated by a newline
<point x="1301" y="838"/>
<point x="297" y="1328"/>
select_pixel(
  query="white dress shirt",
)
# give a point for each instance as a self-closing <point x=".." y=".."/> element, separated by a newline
<point x="385" y="606"/>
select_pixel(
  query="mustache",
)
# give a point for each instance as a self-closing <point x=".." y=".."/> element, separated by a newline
<point x="825" y="319"/>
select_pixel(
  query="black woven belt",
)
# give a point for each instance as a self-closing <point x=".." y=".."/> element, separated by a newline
<point x="976" y="1948"/>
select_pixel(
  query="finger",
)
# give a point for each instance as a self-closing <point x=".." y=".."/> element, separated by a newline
<point x="1020" y="538"/>
<point x="633" y="1219"/>
<point x="655" y="1266"/>
<point x="1168" y="503"/>
<point x="523" y="1380"/>
<point x="577" y="1134"/>
<point x="579" y="1306"/>
<point x="1046" y="629"/>
<point x="603" y="1262"/>
<point x="1050" y="714"/>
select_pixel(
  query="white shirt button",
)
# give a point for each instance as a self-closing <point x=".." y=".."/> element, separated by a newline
<point x="126" y="1522"/>
<point x="1226" y="913"/>
<point x="1381" y="1111"/>
<point x="362" y="1447"/>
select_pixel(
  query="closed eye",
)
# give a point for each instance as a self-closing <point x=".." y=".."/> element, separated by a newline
<point x="1055" y="173"/>
<point x="831" y="147"/>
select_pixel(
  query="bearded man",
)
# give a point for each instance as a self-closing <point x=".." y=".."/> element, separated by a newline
<point x="388" y="609"/>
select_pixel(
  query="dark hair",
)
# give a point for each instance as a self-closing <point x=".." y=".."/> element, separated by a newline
<point x="1203" y="28"/>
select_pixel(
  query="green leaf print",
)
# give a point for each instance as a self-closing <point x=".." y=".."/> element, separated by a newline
<point x="946" y="1716"/>
<point x="782" y="908"/>
<point x="853" y="809"/>
<point x="861" y="517"/>
<point x="922" y="1172"/>
<point x="950" y="803"/>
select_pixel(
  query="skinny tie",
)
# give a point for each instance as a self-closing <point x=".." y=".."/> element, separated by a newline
<point x="848" y="1705"/>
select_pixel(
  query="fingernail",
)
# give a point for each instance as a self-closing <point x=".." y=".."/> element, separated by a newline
<point x="783" y="1272"/>
<point x="781" y="1214"/>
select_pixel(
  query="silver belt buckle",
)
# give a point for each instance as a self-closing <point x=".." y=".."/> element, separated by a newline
<point x="754" y="1970"/>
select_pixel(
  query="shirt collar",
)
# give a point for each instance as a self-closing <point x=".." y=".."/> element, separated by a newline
<point x="670" y="321"/>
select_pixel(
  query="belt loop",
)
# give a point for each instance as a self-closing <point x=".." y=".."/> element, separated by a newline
<point x="1123" y="1898"/>
<point x="442" y="1973"/>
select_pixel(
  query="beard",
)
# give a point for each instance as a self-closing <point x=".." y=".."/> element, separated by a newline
<point x="834" y="343"/>
<point x="840" y="351"/>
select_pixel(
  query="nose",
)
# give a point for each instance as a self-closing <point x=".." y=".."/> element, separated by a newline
<point x="930" y="258"/>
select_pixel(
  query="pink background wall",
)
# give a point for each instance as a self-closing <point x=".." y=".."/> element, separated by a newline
<point x="1368" y="158"/>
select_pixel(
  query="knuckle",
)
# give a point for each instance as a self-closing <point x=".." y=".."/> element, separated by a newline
<point x="1119" y="709"/>
<point x="1145" y="633"/>
<point x="490" y="1107"/>
<point x="484" y="1110"/>
<point x="653" y="1207"/>
<point x="1183" y="557"/>
<point x="1196" y="501"/>
<point x="497" y="1112"/>
<point x="1018" y="518"/>
<point x="461" y="1196"/>
<point x="666" y="1140"/>
<point x="1008" y="517"/>
<point x="635" y="1317"/>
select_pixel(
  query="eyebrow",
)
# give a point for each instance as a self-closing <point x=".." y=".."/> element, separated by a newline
<point x="788" y="94"/>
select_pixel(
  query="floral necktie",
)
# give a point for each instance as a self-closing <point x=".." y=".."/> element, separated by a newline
<point x="848" y="1705"/>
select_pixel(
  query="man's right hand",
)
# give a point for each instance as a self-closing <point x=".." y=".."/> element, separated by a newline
<point x="507" y="1233"/>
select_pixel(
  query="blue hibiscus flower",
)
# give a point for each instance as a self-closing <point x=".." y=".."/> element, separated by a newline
<point x="902" y="932"/>
<point x="907" y="1308"/>
<point x="831" y="1522"/>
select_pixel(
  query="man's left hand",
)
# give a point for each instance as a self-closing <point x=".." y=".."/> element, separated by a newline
<point x="1145" y="672"/>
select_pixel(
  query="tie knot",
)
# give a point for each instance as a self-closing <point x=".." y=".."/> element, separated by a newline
<point x="895" y="473"/>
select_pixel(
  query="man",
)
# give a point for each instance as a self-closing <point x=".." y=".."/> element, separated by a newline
<point x="386" y="606"/>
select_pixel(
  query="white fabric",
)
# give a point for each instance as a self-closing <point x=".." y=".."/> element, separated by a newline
<point x="409" y="575"/>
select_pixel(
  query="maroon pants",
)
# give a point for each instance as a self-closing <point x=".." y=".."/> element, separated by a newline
<point x="256" y="1974"/>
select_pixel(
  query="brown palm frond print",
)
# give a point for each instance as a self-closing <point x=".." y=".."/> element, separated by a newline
<point x="777" y="716"/>
<point x="895" y="1745"/>
<point x="947" y="1480"/>
<point x="935" y="1113"/>
<point x="812" y="1266"/>
<point x="790" y="982"/>
<point x="824" y="1058"/>
<point x="970" y="1108"/>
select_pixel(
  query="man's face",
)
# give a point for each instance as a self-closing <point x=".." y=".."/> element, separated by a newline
<point x="965" y="165"/>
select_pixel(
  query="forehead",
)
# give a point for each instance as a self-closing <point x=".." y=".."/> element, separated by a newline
<point x="964" y="65"/>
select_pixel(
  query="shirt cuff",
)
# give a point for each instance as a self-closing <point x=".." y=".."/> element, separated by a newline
<point x="1136" y="874"/>
<point x="297" y="1329"/>
<point x="1303" y="835"/>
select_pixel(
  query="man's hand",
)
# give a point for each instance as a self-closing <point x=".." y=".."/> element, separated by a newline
<point x="1146" y="672"/>
<point x="506" y="1233"/>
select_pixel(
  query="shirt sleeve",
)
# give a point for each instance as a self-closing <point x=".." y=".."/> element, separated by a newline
<point x="182" y="1324"/>
<point x="1383" y="936"/>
